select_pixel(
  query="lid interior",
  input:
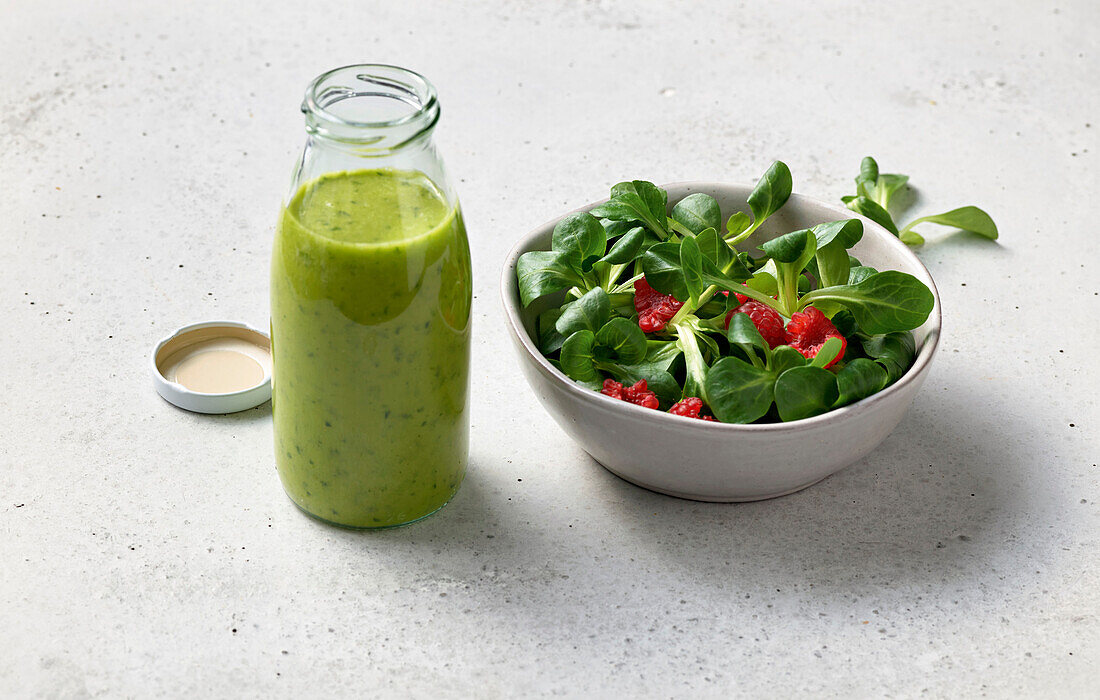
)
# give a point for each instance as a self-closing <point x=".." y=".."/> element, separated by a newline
<point x="216" y="359"/>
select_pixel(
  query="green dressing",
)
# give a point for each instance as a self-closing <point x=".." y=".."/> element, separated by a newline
<point x="370" y="311"/>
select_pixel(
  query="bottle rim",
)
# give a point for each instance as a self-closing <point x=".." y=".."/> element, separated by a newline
<point x="379" y="80"/>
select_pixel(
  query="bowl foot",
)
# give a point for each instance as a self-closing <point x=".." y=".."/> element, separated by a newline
<point x="708" y="498"/>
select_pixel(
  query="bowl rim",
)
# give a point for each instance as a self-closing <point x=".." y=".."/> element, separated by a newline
<point x="913" y="374"/>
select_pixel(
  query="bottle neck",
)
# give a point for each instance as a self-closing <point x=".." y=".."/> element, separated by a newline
<point x="371" y="110"/>
<point x="370" y="117"/>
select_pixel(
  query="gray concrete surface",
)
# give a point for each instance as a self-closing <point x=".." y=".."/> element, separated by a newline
<point x="147" y="551"/>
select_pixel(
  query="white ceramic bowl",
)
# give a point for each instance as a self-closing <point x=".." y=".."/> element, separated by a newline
<point x="708" y="461"/>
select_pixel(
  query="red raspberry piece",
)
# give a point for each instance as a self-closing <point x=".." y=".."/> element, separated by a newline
<point x="689" y="408"/>
<point x="639" y="394"/>
<point x="809" y="329"/>
<point x="766" y="319"/>
<point x="613" y="389"/>
<point x="654" y="309"/>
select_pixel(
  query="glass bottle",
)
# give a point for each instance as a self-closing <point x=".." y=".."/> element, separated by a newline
<point x="370" y="307"/>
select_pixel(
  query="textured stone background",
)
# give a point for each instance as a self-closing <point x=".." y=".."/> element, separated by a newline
<point x="143" y="550"/>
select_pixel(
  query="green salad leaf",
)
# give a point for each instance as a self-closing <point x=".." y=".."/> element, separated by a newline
<point x="859" y="379"/>
<point x="804" y="392"/>
<point x="577" y="358"/>
<point x="624" y="339"/>
<point x="579" y="237"/>
<point x="698" y="212"/>
<point x="965" y="218"/>
<point x="626" y="248"/>
<point x="882" y="303"/>
<point x="542" y="272"/>
<point x="771" y="192"/>
<point x="589" y="312"/>
<point x="639" y="201"/>
<point x="739" y="392"/>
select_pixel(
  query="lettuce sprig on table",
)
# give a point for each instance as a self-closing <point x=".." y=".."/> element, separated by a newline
<point x="875" y="191"/>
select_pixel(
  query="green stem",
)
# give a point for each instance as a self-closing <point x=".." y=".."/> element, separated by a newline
<point x="689" y="308"/>
<point x="788" y="292"/>
<point x="694" y="364"/>
<point x="744" y="234"/>
<point x="611" y="276"/>
<point x="827" y="293"/>
<point x="608" y="368"/>
<point x="910" y="237"/>
<point x="909" y="226"/>
<point x="718" y="323"/>
<point x="622" y="301"/>
<point x="759" y="296"/>
<point x="627" y="284"/>
<point x="603" y="276"/>
<point x="591" y="280"/>
<point x="679" y="228"/>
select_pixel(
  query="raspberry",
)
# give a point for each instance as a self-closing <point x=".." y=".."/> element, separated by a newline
<point x="654" y="309"/>
<point x="808" y="330"/>
<point x="689" y="408"/>
<point x="613" y="389"/>
<point x="766" y="319"/>
<point x="639" y="394"/>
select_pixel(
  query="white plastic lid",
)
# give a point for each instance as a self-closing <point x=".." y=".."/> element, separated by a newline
<point x="214" y="367"/>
